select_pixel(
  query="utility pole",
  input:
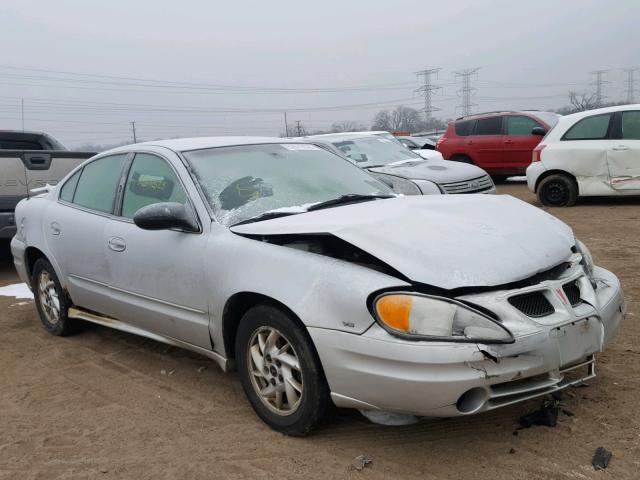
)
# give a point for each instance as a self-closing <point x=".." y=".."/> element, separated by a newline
<point x="427" y="90"/>
<point x="286" y="125"/>
<point x="466" y="91"/>
<point x="599" y="83"/>
<point x="22" y="110"/>
<point x="631" y="83"/>
<point x="133" y="129"/>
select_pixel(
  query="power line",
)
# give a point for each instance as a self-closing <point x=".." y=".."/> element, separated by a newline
<point x="466" y="91"/>
<point x="631" y="83"/>
<point x="599" y="83"/>
<point x="427" y="90"/>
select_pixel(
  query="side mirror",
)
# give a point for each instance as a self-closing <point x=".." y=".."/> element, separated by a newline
<point x="538" y="131"/>
<point x="165" y="216"/>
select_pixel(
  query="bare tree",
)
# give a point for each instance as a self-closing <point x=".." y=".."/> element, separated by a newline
<point x="400" y="119"/>
<point x="582" y="101"/>
<point x="346" y="126"/>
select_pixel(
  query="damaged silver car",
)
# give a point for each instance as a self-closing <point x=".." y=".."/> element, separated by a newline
<point x="303" y="272"/>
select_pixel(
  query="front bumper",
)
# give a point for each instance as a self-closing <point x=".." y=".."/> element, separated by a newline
<point x="376" y="371"/>
<point x="7" y="225"/>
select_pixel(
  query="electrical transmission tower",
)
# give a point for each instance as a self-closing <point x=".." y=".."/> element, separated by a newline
<point x="427" y="90"/>
<point x="599" y="83"/>
<point x="631" y="83"/>
<point x="466" y="92"/>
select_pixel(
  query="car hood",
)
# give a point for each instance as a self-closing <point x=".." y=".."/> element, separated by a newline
<point x="444" y="241"/>
<point x="439" y="171"/>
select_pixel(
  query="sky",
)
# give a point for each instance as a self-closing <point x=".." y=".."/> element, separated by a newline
<point x="84" y="70"/>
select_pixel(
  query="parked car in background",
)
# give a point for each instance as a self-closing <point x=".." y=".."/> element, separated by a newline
<point x="499" y="142"/>
<point x="592" y="153"/>
<point x="285" y="261"/>
<point x="29" y="160"/>
<point x="417" y="143"/>
<point x="404" y="171"/>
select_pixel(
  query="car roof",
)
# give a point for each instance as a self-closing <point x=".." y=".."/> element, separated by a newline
<point x="597" y="111"/>
<point x="475" y="116"/>
<point x="200" y="143"/>
<point x="330" y="137"/>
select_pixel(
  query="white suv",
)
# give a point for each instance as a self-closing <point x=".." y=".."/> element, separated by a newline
<point x="592" y="153"/>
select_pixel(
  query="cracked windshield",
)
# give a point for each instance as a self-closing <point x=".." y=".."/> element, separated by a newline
<point x="244" y="182"/>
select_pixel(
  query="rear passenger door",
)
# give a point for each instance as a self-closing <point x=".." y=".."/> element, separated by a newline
<point x="623" y="157"/>
<point x="519" y="142"/>
<point x="485" y="144"/>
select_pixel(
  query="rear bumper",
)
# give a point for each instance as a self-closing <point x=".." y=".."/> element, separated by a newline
<point x="533" y="173"/>
<point x="7" y="225"/>
<point x="376" y="371"/>
<point x="18" y="249"/>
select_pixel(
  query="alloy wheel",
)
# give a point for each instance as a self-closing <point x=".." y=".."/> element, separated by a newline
<point x="48" y="296"/>
<point x="274" y="368"/>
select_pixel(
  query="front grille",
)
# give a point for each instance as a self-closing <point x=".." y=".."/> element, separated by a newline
<point x="475" y="185"/>
<point x="533" y="304"/>
<point x="572" y="291"/>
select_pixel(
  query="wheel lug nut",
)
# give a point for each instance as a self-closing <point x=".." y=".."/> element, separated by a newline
<point x="280" y="378"/>
<point x="278" y="364"/>
<point x="273" y="382"/>
<point x="268" y="357"/>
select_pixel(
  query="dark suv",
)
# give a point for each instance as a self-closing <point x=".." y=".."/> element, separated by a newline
<point x="499" y="142"/>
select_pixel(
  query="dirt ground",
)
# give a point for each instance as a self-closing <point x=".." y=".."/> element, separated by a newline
<point x="104" y="404"/>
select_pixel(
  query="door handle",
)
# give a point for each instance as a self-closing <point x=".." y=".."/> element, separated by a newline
<point x="508" y="141"/>
<point x="54" y="228"/>
<point x="620" y="148"/>
<point x="469" y="142"/>
<point x="117" y="244"/>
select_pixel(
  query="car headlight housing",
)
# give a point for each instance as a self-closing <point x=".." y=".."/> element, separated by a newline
<point x="587" y="258"/>
<point x="425" y="317"/>
<point x="398" y="184"/>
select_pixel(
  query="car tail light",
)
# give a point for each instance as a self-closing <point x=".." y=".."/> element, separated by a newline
<point x="439" y="142"/>
<point x="537" y="152"/>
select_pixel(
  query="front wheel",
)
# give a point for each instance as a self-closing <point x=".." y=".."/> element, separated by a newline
<point x="280" y="372"/>
<point x="558" y="191"/>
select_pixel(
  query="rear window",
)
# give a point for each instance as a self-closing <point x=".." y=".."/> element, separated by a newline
<point x="489" y="126"/>
<point x="464" y="128"/>
<point x="590" y="128"/>
<point x="19" y="145"/>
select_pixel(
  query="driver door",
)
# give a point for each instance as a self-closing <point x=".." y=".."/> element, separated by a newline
<point x="158" y="278"/>
<point x="623" y="155"/>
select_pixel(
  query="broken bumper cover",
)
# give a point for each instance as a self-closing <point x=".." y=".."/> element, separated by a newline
<point x="375" y="371"/>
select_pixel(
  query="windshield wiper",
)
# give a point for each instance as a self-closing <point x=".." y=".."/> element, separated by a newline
<point x="349" y="198"/>
<point x="265" y="216"/>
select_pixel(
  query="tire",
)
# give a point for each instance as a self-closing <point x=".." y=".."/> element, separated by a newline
<point x="295" y="413"/>
<point x="462" y="159"/>
<point x="558" y="190"/>
<point x="51" y="300"/>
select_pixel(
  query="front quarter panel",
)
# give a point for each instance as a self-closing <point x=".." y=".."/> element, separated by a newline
<point x="323" y="292"/>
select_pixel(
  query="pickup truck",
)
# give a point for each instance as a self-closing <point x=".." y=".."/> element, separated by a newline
<point x="29" y="160"/>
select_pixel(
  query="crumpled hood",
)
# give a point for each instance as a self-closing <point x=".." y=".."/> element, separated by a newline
<point x="448" y="241"/>
<point x="439" y="171"/>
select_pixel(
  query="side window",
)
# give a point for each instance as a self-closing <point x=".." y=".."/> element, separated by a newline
<point x="489" y="126"/>
<point x="151" y="180"/>
<point x="69" y="188"/>
<point x="96" y="188"/>
<point x="464" y="128"/>
<point x="590" y="128"/>
<point x="631" y="125"/>
<point x="519" y="125"/>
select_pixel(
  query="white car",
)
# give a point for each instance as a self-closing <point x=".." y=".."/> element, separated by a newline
<point x="592" y="153"/>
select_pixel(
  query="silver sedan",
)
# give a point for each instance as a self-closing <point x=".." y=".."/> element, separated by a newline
<point x="287" y="262"/>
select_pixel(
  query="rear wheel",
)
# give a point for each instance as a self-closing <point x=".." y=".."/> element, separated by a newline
<point x="558" y="191"/>
<point x="280" y="372"/>
<point x="51" y="301"/>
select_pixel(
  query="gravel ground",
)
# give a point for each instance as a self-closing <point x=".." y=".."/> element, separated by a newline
<point x="104" y="404"/>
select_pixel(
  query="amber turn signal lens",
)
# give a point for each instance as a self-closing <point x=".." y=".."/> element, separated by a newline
<point x="395" y="311"/>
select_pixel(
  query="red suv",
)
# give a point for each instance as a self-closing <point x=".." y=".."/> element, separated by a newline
<point x="499" y="142"/>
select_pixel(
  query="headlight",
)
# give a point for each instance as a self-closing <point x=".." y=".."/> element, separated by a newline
<point x="436" y="318"/>
<point x="587" y="258"/>
<point x="428" y="188"/>
<point x="398" y="184"/>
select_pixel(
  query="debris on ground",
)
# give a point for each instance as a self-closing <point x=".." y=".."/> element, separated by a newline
<point x="547" y="416"/>
<point x="361" y="461"/>
<point x="601" y="458"/>
<point x="202" y="369"/>
<point x="568" y="413"/>
<point x="512" y="451"/>
<point x="163" y="372"/>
